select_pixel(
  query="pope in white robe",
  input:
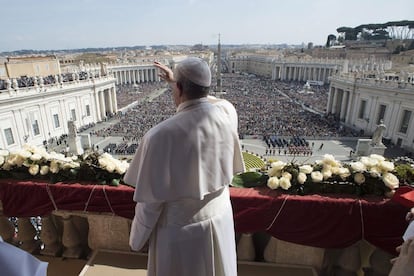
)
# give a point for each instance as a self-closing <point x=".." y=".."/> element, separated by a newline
<point x="181" y="171"/>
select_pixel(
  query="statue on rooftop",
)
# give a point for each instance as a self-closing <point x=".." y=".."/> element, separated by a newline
<point x="378" y="134"/>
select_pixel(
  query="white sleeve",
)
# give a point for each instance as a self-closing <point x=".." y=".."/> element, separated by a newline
<point x="145" y="219"/>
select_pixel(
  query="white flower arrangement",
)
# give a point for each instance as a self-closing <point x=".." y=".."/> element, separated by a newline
<point x="36" y="162"/>
<point x="369" y="175"/>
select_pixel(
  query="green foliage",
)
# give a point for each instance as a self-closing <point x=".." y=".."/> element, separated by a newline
<point x="249" y="180"/>
<point x="405" y="173"/>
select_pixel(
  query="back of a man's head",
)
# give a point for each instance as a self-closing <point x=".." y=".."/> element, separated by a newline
<point x="195" y="77"/>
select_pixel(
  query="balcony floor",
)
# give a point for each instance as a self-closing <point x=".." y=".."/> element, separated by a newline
<point x="108" y="262"/>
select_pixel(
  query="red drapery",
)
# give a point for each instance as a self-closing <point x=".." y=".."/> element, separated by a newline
<point x="333" y="221"/>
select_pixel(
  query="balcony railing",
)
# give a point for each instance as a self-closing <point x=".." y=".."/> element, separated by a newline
<point x="75" y="234"/>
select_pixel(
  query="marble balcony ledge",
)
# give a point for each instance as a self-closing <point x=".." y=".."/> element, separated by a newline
<point x="78" y="234"/>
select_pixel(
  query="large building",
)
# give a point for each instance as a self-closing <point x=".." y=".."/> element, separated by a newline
<point x="37" y="113"/>
<point x="363" y="101"/>
<point x="300" y="67"/>
<point x="362" y="91"/>
<point x="37" y="101"/>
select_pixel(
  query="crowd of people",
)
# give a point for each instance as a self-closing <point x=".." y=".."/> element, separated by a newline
<point x="127" y="93"/>
<point x="25" y="81"/>
<point x="266" y="108"/>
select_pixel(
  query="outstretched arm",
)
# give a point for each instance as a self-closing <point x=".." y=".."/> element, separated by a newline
<point x="166" y="73"/>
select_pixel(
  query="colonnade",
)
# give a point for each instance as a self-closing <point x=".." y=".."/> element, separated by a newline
<point x="340" y="102"/>
<point x="362" y="103"/>
<point x="133" y="75"/>
<point x="302" y="72"/>
<point x="106" y="103"/>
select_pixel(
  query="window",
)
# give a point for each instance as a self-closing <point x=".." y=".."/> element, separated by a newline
<point x="381" y="113"/>
<point x="405" y="120"/>
<point x="88" y="110"/>
<point x="35" y="126"/>
<point x="9" y="136"/>
<point x="73" y="113"/>
<point x="362" y="109"/>
<point x="56" y="120"/>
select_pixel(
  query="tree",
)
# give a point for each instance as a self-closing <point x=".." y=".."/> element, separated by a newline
<point x="348" y="33"/>
<point x="330" y="40"/>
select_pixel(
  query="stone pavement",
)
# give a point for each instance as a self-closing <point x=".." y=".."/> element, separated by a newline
<point x="339" y="148"/>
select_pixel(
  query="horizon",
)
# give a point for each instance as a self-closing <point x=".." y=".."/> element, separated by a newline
<point x="80" y="24"/>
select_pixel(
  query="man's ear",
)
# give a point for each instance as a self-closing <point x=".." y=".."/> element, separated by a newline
<point x="180" y="88"/>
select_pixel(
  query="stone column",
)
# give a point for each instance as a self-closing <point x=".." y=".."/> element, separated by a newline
<point x="114" y="100"/>
<point x="349" y="111"/>
<point x="133" y="76"/>
<point x="6" y="227"/>
<point x="50" y="237"/>
<point x="97" y="106"/>
<point x="330" y="99"/>
<point x="26" y="236"/>
<point x="344" y="103"/>
<point x="102" y="104"/>
<point x="109" y="95"/>
<point x="71" y="239"/>
<point x="335" y="102"/>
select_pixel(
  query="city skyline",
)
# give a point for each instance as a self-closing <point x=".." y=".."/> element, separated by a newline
<point x="54" y="25"/>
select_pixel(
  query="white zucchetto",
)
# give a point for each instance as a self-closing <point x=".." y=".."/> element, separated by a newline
<point x="196" y="70"/>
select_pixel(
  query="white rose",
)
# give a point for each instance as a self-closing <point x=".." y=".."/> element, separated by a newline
<point x="110" y="167"/>
<point x="4" y="152"/>
<point x="316" y="176"/>
<point x="375" y="172"/>
<point x="273" y="183"/>
<point x="329" y="159"/>
<point x="1" y="160"/>
<point x="34" y="169"/>
<point x="335" y="170"/>
<point x="307" y="169"/>
<point x="369" y="162"/>
<point x="359" y="178"/>
<point x="390" y="180"/>
<point x="358" y="166"/>
<point x="54" y="167"/>
<point x="327" y="173"/>
<point x="74" y="157"/>
<point x="44" y="170"/>
<point x="344" y="173"/>
<point x="284" y="183"/>
<point x="301" y="178"/>
<point x="103" y="162"/>
<point x="377" y="157"/>
<point x="122" y="167"/>
<point x="67" y="166"/>
<point x="16" y="160"/>
<point x="287" y="175"/>
<point x="7" y="166"/>
<point x="24" y="153"/>
<point x="35" y="157"/>
<point x="278" y="165"/>
<point x="274" y="172"/>
<point x="26" y="163"/>
<point x="386" y="166"/>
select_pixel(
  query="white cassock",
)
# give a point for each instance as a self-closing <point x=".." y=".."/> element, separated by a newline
<point x="181" y="171"/>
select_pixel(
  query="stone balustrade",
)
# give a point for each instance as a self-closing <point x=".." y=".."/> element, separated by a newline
<point x="72" y="234"/>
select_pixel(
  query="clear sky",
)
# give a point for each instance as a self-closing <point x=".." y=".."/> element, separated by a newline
<point x="59" y="24"/>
